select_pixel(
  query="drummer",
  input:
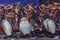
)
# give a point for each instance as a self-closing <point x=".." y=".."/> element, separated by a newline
<point x="43" y="11"/>
<point x="10" y="15"/>
<point x="57" y="20"/>
<point x="34" y="15"/>
<point x="1" y="18"/>
<point x="20" y="11"/>
<point x="28" y="9"/>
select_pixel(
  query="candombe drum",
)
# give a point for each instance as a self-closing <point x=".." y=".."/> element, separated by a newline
<point x="25" y="26"/>
<point x="49" y="25"/>
<point x="7" y="27"/>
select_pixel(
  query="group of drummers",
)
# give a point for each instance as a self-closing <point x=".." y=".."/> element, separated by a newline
<point x="14" y="13"/>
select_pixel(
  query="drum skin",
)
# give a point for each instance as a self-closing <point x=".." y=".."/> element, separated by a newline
<point x="50" y="26"/>
<point x="25" y="26"/>
<point x="7" y="27"/>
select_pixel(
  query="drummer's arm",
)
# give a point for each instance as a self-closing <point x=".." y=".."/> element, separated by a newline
<point x="55" y="12"/>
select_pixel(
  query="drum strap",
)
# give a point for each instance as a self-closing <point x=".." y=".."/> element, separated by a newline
<point x="47" y="26"/>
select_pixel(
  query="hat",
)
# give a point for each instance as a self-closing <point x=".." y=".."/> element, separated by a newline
<point x="51" y="6"/>
<point x="8" y="7"/>
<point x="42" y="5"/>
<point x="55" y="3"/>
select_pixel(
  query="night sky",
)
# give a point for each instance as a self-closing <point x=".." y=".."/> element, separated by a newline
<point x="20" y="1"/>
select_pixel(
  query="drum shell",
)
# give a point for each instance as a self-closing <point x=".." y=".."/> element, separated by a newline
<point x="7" y="27"/>
<point x="45" y="23"/>
<point x="49" y="25"/>
<point x="25" y="27"/>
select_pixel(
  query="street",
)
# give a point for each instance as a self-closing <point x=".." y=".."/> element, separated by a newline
<point x="31" y="39"/>
<point x="39" y="38"/>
